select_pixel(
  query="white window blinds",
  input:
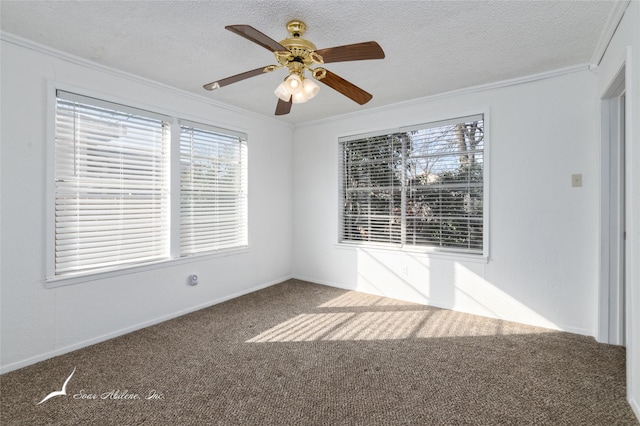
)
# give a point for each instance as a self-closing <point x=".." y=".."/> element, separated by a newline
<point x="420" y="186"/>
<point x="213" y="189"/>
<point x="111" y="185"/>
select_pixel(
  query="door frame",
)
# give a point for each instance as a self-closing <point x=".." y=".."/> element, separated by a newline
<point x="611" y="307"/>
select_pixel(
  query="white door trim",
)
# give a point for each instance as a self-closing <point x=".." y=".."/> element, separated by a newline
<point x="611" y="307"/>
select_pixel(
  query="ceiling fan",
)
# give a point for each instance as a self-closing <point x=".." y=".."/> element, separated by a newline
<point x="299" y="55"/>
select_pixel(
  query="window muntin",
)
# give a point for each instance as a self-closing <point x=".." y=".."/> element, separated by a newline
<point x="418" y="187"/>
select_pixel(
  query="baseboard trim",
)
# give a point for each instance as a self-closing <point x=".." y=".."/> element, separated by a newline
<point x="86" y="343"/>
<point x="322" y="282"/>
<point x="635" y="406"/>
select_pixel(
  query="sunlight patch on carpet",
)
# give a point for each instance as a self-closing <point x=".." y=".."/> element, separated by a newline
<point x="388" y="325"/>
<point x="354" y="298"/>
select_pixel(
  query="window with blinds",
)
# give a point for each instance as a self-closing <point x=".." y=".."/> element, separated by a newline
<point x="114" y="168"/>
<point x="111" y="185"/>
<point x="421" y="186"/>
<point x="213" y="196"/>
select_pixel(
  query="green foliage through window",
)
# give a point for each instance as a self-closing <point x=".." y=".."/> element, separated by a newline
<point x="420" y="187"/>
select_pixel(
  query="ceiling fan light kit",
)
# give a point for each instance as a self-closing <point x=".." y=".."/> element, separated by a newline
<point x="296" y="88"/>
<point x="297" y="55"/>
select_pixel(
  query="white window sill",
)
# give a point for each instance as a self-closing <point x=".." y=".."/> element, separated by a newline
<point x="421" y="251"/>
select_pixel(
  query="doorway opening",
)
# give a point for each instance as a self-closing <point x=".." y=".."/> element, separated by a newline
<point x="612" y="314"/>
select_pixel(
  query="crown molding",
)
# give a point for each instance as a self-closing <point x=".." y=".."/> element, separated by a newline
<point x="467" y="90"/>
<point x="76" y="60"/>
<point x="610" y="27"/>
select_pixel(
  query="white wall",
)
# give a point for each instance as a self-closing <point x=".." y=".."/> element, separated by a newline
<point x="543" y="232"/>
<point x="37" y="322"/>
<point x="624" y="49"/>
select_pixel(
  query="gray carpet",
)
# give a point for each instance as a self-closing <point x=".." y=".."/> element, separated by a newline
<point x="304" y="354"/>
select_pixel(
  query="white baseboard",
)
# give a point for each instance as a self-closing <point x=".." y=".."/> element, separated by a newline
<point x="322" y="282"/>
<point x="635" y="406"/>
<point x="70" y="348"/>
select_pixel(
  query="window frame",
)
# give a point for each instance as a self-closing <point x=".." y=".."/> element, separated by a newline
<point x="430" y="251"/>
<point x="174" y="258"/>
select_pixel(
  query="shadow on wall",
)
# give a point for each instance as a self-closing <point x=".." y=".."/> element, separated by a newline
<point x="441" y="283"/>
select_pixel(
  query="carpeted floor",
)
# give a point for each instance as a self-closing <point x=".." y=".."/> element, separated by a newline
<point x="304" y="354"/>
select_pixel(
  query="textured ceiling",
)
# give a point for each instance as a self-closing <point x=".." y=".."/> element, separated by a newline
<point x="431" y="46"/>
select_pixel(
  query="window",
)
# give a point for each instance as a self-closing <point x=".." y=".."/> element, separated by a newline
<point x="420" y="187"/>
<point x="213" y="199"/>
<point x="111" y="186"/>
<point x="112" y="180"/>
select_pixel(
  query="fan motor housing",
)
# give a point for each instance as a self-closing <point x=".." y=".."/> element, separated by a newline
<point x="299" y="48"/>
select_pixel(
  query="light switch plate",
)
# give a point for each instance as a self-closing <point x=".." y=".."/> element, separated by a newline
<point x="576" y="180"/>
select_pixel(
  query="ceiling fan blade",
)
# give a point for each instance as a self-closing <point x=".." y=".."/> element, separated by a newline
<point x="256" y="36"/>
<point x="234" y="79"/>
<point x="352" y="52"/>
<point x="348" y="89"/>
<point x="283" y="107"/>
